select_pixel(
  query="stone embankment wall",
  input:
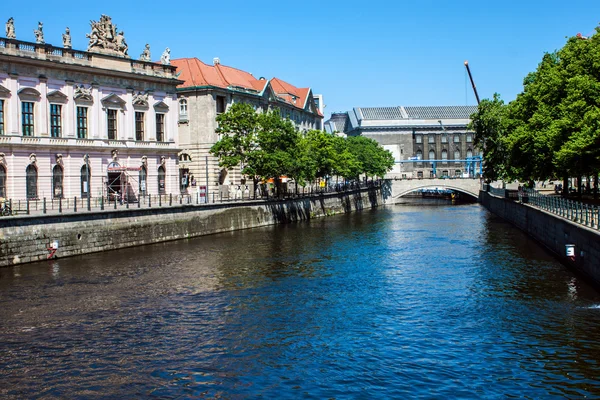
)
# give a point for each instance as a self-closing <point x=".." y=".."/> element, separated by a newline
<point x="553" y="232"/>
<point x="26" y="238"/>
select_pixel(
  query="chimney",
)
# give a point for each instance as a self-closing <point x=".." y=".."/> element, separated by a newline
<point x="216" y="61"/>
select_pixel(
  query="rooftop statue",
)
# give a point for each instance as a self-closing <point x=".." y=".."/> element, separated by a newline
<point x="165" y="59"/>
<point x="67" y="38"/>
<point x="145" y="56"/>
<point x="39" y="33"/>
<point x="104" y="38"/>
<point x="10" y="29"/>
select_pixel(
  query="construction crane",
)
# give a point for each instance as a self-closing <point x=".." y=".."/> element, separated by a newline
<point x="472" y="82"/>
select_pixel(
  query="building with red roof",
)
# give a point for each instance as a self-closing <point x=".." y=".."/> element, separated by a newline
<point x="208" y="90"/>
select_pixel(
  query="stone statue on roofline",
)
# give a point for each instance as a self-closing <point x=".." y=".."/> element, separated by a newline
<point x="105" y="39"/>
<point x="145" y="56"/>
<point x="10" y="29"/>
<point x="67" y="38"/>
<point x="165" y="59"/>
<point x="39" y="34"/>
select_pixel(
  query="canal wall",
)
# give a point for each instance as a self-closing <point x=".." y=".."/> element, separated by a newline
<point x="553" y="232"/>
<point x="26" y="239"/>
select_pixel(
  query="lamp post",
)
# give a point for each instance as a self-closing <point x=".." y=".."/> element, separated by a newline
<point x="89" y="186"/>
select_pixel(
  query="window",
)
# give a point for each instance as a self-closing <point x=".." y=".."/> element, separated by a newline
<point x="1" y="119"/>
<point x="2" y="181"/>
<point x="444" y="155"/>
<point x="456" y="138"/>
<point x="55" y="120"/>
<point x="431" y="155"/>
<point x="31" y="176"/>
<point x="469" y="153"/>
<point x="469" y="137"/>
<point x="183" y="110"/>
<point x="82" y="123"/>
<point x="431" y="138"/>
<point x="143" y="177"/>
<point x="221" y="104"/>
<point x="419" y="155"/>
<point x="456" y="154"/>
<point x="161" y="180"/>
<point x="457" y="173"/>
<point x="57" y="182"/>
<point x="85" y="179"/>
<point x="419" y="139"/>
<point x="139" y="126"/>
<point x="27" y="118"/>
<point x="160" y="127"/>
<point x="444" y="138"/>
<point x="111" y="119"/>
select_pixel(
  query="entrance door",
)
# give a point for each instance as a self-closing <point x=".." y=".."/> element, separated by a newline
<point x="114" y="184"/>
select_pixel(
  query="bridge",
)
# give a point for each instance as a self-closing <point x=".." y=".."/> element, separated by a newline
<point x="401" y="187"/>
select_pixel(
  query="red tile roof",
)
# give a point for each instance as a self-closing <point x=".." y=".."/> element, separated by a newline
<point x="196" y="73"/>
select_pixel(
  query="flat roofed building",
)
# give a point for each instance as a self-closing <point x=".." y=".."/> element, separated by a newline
<point x="416" y="137"/>
<point x="207" y="91"/>
<point x="95" y="122"/>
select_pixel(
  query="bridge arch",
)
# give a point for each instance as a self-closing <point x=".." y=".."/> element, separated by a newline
<point x="403" y="187"/>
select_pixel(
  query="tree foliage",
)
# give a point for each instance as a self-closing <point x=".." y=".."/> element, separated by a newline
<point x="552" y="128"/>
<point x="267" y="146"/>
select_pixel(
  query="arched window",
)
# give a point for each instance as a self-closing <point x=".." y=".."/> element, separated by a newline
<point x="419" y="155"/>
<point x="431" y="155"/>
<point x="85" y="179"/>
<point x="57" y="182"/>
<point x="469" y="153"/>
<point x="143" y="178"/>
<point x="162" y="189"/>
<point x="457" y="154"/>
<point x="444" y="154"/>
<point x="2" y="181"/>
<point x="31" y="177"/>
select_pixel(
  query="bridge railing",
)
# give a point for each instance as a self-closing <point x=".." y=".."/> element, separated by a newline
<point x="576" y="211"/>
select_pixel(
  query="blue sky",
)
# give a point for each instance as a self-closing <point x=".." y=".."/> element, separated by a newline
<point x="378" y="53"/>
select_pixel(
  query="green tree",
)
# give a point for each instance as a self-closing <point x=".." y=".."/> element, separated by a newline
<point x="371" y="157"/>
<point x="488" y="125"/>
<point x="238" y="139"/>
<point x="277" y="147"/>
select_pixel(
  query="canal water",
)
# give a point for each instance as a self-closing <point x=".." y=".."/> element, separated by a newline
<point x="401" y="302"/>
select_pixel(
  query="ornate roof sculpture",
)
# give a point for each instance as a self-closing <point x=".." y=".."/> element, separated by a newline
<point x="106" y="39"/>
<point x="10" y="29"/>
<point x="39" y="34"/>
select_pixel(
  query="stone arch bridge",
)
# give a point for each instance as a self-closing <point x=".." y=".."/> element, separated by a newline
<point x="397" y="188"/>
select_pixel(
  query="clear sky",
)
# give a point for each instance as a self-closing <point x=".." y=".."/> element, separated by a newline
<point x="367" y="53"/>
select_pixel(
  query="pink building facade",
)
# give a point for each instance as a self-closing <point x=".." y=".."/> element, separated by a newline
<point x="78" y="122"/>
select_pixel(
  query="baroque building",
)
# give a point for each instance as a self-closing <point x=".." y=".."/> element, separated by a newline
<point x="78" y="123"/>
<point x="425" y="141"/>
<point x="207" y="91"/>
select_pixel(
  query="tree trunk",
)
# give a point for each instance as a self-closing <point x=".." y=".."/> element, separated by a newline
<point x="255" y="183"/>
<point x="595" y="186"/>
<point x="565" y="189"/>
<point x="579" y="186"/>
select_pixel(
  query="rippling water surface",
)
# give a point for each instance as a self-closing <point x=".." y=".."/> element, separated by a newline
<point x="402" y="302"/>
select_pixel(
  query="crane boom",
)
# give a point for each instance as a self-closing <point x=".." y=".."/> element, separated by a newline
<point x="472" y="82"/>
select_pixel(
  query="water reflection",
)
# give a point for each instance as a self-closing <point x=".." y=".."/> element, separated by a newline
<point x="400" y="302"/>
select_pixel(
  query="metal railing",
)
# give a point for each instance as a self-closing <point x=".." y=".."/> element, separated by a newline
<point x="45" y="205"/>
<point x="576" y="211"/>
